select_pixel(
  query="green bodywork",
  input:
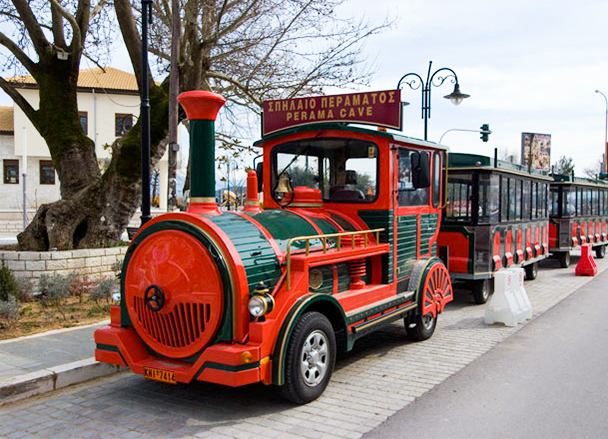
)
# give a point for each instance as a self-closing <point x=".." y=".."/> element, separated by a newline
<point x="376" y="219"/>
<point x="202" y="132"/>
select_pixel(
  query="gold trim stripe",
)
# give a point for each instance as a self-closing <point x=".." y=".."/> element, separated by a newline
<point x="202" y="200"/>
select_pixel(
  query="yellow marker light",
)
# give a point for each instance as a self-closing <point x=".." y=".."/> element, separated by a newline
<point x="246" y="357"/>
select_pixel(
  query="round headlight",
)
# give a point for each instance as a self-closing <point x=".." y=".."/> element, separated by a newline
<point x="260" y="305"/>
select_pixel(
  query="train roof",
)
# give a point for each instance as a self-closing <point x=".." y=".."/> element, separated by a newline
<point x="464" y="161"/>
<point x="581" y="181"/>
<point x="350" y="128"/>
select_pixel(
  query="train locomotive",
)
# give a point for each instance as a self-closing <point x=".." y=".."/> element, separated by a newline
<point x="345" y="244"/>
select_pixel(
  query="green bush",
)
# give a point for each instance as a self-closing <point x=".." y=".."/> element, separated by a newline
<point x="54" y="290"/>
<point x="103" y="291"/>
<point x="25" y="289"/>
<point x="8" y="285"/>
<point x="9" y="311"/>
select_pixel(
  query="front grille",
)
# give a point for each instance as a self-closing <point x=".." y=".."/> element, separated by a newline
<point x="181" y="327"/>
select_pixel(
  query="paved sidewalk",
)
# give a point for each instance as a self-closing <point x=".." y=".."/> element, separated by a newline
<point x="43" y="362"/>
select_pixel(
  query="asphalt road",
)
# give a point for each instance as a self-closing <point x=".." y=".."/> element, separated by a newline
<point x="549" y="380"/>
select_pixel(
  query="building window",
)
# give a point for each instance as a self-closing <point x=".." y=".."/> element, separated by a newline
<point x="47" y="172"/>
<point x="11" y="171"/>
<point x="124" y="122"/>
<point x="84" y="121"/>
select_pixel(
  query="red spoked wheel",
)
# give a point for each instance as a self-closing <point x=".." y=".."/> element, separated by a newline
<point x="436" y="290"/>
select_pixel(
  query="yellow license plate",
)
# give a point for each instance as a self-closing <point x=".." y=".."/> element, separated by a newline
<point x="165" y="376"/>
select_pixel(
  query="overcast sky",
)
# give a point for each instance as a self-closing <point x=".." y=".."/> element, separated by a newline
<point x="529" y="66"/>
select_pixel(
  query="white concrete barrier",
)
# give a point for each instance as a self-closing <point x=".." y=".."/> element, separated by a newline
<point x="509" y="303"/>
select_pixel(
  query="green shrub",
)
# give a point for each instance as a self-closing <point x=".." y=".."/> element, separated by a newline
<point x="8" y="285"/>
<point x="25" y="289"/>
<point x="103" y="291"/>
<point x="54" y="290"/>
<point x="9" y="311"/>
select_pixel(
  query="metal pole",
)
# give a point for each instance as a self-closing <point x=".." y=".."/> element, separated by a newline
<point x="173" y="109"/>
<point x="24" y="176"/>
<point x="605" y="135"/>
<point x="146" y="14"/>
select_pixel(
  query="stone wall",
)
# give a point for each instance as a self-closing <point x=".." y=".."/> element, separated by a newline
<point x="94" y="263"/>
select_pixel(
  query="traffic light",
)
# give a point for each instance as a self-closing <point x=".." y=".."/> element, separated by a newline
<point x="485" y="132"/>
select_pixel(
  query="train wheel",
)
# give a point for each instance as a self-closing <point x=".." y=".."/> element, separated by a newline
<point x="422" y="328"/>
<point x="600" y="252"/>
<point x="481" y="291"/>
<point x="564" y="259"/>
<point x="531" y="271"/>
<point x="310" y="358"/>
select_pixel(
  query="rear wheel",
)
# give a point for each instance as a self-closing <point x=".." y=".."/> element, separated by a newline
<point x="422" y="327"/>
<point x="564" y="259"/>
<point x="531" y="271"/>
<point x="600" y="252"/>
<point x="481" y="291"/>
<point x="310" y="358"/>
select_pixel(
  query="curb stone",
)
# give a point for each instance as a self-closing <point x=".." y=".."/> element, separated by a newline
<point x="53" y="378"/>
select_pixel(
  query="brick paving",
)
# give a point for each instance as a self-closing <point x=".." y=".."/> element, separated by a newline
<point x="383" y="374"/>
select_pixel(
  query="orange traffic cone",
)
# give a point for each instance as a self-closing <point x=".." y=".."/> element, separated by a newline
<point x="586" y="266"/>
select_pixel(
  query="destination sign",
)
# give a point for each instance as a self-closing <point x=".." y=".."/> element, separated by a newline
<point x="379" y="108"/>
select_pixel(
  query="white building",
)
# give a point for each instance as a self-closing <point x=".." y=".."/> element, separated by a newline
<point x="108" y="102"/>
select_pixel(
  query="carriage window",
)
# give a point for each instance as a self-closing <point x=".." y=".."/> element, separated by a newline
<point x="517" y="188"/>
<point x="569" y="201"/>
<point x="408" y="195"/>
<point x="535" y="200"/>
<point x="554" y="202"/>
<point x="436" y="178"/>
<point x="488" y="198"/>
<point x="504" y="198"/>
<point x="459" y="197"/>
<point x="525" y="200"/>
<point x="344" y="170"/>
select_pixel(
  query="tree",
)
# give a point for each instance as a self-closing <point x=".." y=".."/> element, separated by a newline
<point x="594" y="171"/>
<point x="564" y="166"/>
<point x="255" y="50"/>
<point x="94" y="209"/>
<point x="247" y="50"/>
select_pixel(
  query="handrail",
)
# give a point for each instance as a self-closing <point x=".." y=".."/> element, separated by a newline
<point x="323" y="239"/>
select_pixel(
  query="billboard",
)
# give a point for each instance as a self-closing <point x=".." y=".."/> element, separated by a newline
<point x="536" y="151"/>
<point x="380" y="108"/>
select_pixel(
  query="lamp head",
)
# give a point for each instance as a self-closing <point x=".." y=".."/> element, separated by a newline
<point x="456" y="97"/>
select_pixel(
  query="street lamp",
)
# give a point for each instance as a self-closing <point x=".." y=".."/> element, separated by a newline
<point x="456" y="97"/>
<point x="606" y="135"/>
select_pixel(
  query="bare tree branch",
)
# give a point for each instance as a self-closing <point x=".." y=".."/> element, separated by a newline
<point x="41" y="44"/>
<point x="18" y="53"/>
<point x="10" y="90"/>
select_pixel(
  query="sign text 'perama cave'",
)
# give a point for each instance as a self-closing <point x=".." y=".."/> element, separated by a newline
<point x="381" y="108"/>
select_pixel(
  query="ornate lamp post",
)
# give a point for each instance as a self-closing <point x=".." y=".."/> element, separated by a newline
<point x="606" y="135"/>
<point x="456" y="97"/>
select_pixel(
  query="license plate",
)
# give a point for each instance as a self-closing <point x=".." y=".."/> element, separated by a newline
<point x="165" y="376"/>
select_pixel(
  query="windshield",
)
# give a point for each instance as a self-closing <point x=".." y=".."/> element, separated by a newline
<point x="344" y="170"/>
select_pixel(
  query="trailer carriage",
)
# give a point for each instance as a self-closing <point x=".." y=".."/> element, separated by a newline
<point x="496" y="217"/>
<point x="578" y="215"/>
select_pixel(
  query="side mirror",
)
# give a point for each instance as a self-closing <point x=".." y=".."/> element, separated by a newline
<point x="259" y="169"/>
<point x="421" y="170"/>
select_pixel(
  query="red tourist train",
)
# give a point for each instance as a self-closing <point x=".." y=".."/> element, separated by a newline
<point x="578" y="215"/>
<point x="345" y="244"/>
<point x="496" y="216"/>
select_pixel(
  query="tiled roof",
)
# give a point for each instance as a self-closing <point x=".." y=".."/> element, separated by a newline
<point x="111" y="79"/>
<point x="6" y="119"/>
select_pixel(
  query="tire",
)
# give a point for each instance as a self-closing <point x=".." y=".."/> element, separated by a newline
<point x="600" y="252"/>
<point x="481" y="291"/>
<point x="564" y="259"/>
<point x="310" y="358"/>
<point x="531" y="271"/>
<point x="422" y="328"/>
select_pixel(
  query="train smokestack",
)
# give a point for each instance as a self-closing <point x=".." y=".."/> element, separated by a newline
<point x="201" y="109"/>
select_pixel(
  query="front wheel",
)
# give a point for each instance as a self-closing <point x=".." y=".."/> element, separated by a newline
<point x="422" y="328"/>
<point x="481" y="291"/>
<point x="310" y="358"/>
<point x="531" y="271"/>
<point x="600" y="252"/>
